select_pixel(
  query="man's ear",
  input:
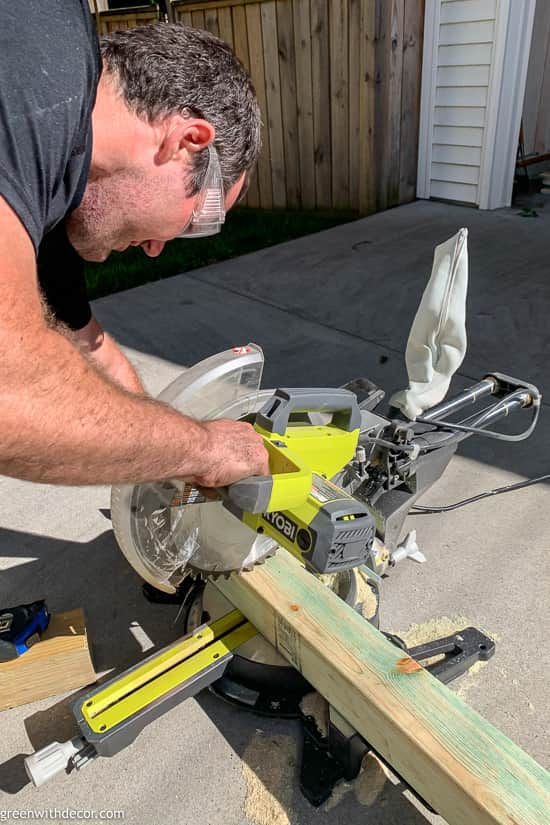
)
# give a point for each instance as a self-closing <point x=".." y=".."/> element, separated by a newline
<point x="179" y="135"/>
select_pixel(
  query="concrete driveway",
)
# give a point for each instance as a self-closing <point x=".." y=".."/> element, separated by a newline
<point x="325" y="308"/>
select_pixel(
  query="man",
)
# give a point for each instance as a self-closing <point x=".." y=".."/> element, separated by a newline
<point x="151" y="140"/>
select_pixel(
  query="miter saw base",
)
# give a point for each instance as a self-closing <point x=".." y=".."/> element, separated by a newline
<point x="220" y="655"/>
<point x="259" y="680"/>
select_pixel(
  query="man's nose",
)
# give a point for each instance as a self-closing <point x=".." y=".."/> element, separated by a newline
<point x="152" y="248"/>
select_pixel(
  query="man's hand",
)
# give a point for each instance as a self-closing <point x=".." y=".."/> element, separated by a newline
<point x="105" y="353"/>
<point x="234" y="450"/>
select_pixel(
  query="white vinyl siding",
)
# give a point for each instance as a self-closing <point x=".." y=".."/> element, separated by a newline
<point x="462" y="53"/>
<point x="470" y="76"/>
<point x="456" y="136"/>
<point x="468" y="11"/>
<point x="474" y="68"/>
<point x="459" y="155"/>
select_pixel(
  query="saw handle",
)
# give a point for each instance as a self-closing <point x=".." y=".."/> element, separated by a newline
<point x="288" y="484"/>
<point x="251" y="495"/>
<point x="290" y="481"/>
<point x="274" y="415"/>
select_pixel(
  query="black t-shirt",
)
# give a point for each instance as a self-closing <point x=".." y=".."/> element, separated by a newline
<point x="49" y="70"/>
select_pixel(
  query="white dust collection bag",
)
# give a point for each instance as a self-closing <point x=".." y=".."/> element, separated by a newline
<point x="437" y="340"/>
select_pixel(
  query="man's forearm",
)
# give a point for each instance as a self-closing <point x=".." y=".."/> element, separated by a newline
<point x="105" y="353"/>
<point x="63" y="422"/>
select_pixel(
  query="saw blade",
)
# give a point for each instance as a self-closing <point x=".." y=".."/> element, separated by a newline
<point x="169" y="537"/>
<point x="168" y="530"/>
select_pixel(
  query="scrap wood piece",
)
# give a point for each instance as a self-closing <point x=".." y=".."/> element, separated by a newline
<point x="60" y="661"/>
<point x="462" y="765"/>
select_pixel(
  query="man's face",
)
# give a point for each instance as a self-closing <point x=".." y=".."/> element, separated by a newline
<point x="134" y="207"/>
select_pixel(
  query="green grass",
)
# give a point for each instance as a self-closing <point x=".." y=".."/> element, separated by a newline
<point x="245" y="231"/>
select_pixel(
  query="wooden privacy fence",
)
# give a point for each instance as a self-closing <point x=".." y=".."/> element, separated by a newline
<point x="108" y="21"/>
<point x="338" y="83"/>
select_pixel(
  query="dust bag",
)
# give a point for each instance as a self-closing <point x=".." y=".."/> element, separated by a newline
<point x="437" y="340"/>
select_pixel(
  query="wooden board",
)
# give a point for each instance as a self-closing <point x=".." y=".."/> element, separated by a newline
<point x="197" y="19"/>
<point x="273" y="94"/>
<point x="410" y="99"/>
<point x="304" y="100"/>
<point x="240" y="47"/>
<point x="287" y="73"/>
<point x="60" y="661"/>
<point x="192" y="5"/>
<point x="367" y="102"/>
<point x="211" y="22"/>
<point x="257" y="72"/>
<point x="456" y="760"/>
<point x="320" y="69"/>
<point x="389" y="70"/>
<point x="225" y="25"/>
<point x="355" y="91"/>
<point x="339" y="102"/>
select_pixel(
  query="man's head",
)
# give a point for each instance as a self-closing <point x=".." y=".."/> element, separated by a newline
<point x="166" y="94"/>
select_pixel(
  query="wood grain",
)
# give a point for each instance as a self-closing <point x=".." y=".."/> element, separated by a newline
<point x="367" y="101"/>
<point x="389" y="71"/>
<point x="304" y="100"/>
<point x="463" y="766"/>
<point x="257" y="72"/>
<point x="287" y="73"/>
<point x="225" y="24"/>
<point x="211" y="22"/>
<point x="60" y="661"/>
<point x="413" y="27"/>
<point x="197" y="19"/>
<point x="193" y="5"/>
<point x="339" y="102"/>
<point x="320" y="69"/>
<point x="273" y="95"/>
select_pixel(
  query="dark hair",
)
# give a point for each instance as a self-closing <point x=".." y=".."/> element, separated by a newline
<point x="164" y="68"/>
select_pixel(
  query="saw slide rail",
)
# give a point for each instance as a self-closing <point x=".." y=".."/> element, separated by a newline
<point x="465" y="768"/>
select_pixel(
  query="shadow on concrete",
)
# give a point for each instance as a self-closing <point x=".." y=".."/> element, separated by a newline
<point x="96" y="576"/>
<point x="271" y="750"/>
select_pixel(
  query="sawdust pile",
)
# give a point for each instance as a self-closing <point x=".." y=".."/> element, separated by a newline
<point x="365" y="596"/>
<point x="366" y="788"/>
<point x="418" y="634"/>
<point x="268" y="770"/>
<point x="315" y="705"/>
<point x="270" y="775"/>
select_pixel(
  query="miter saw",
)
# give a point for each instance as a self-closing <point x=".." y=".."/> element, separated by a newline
<point x="344" y="476"/>
<point x="343" y="479"/>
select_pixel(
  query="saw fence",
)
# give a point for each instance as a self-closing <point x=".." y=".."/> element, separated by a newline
<point x="466" y="769"/>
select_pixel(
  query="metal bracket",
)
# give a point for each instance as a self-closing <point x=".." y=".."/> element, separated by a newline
<point x="327" y="759"/>
<point x="458" y="653"/>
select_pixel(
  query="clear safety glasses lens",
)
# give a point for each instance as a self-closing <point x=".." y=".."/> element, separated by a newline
<point x="209" y="212"/>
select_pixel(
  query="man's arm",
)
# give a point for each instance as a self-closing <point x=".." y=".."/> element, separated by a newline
<point x="62" y="421"/>
<point x="105" y="353"/>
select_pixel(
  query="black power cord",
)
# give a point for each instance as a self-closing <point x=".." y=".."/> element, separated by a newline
<point x="418" y="510"/>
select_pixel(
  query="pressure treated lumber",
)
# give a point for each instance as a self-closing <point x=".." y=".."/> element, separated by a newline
<point x="456" y="760"/>
<point x="60" y="661"/>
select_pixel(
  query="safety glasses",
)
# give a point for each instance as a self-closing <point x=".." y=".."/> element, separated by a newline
<point x="209" y="211"/>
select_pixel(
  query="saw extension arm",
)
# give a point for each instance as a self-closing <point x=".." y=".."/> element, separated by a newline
<point x="400" y="460"/>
